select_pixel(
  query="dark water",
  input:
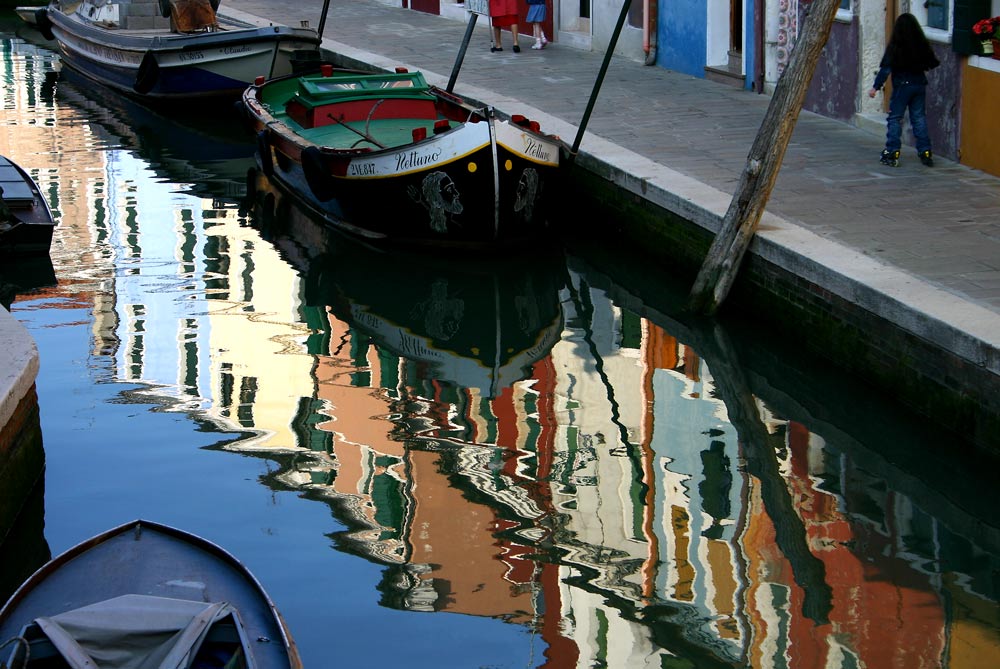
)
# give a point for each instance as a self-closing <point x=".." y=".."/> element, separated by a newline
<point x="518" y="462"/>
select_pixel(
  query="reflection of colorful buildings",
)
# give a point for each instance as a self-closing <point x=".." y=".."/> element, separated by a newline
<point x="593" y="490"/>
<point x="630" y="511"/>
<point x="600" y="501"/>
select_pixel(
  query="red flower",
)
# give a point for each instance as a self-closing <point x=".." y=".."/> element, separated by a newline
<point x="987" y="28"/>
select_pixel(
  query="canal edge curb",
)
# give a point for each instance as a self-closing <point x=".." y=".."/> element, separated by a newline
<point x="18" y="365"/>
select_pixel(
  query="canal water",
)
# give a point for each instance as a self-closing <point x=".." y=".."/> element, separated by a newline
<point x="535" y="461"/>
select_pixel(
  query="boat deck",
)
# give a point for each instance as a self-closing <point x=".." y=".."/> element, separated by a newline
<point x="359" y="111"/>
<point x="17" y="193"/>
<point x="148" y="26"/>
<point x="374" y="135"/>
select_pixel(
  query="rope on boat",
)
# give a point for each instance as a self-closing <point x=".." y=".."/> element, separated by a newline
<point x="371" y="112"/>
<point x="23" y="642"/>
<point x="340" y="121"/>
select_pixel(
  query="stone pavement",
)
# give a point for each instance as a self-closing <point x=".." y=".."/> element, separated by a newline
<point x="920" y="245"/>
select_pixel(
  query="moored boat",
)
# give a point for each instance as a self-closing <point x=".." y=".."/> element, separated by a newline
<point x="144" y="590"/>
<point x="171" y="49"/>
<point x="390" y="158"/>
<point x="26" y="222"/>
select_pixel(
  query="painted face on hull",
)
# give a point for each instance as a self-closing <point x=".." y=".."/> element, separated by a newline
<point x="527" y="193"/>
<point x="440" y="197"/>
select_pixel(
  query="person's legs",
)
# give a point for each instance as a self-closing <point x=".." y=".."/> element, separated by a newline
<point x="894" y="121"/>
<point x="918" y="120"/>
<point x="513" y="31"/>
<point x="496" y="39"/>
<point x="894" y="126"/>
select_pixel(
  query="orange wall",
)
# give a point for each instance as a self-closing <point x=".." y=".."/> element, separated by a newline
<point x="980" y="138"/>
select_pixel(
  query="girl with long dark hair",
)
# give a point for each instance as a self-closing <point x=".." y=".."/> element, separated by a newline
<point x="907" y="58"/>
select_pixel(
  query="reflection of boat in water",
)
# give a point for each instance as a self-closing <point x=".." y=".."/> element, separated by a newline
<point x="26" y="11"/>
<point x="145" y="594"/>
<point x="211" y="152"/>
<point x="478" y="323"/>
<point x="19" y="275"/>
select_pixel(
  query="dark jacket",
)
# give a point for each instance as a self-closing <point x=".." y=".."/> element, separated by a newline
<point x="902" y="74"/>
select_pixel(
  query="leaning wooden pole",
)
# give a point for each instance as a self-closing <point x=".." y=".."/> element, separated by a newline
<point x="763" y="163"/>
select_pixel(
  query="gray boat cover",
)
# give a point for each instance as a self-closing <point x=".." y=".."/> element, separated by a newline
<point x="133" y="632"/>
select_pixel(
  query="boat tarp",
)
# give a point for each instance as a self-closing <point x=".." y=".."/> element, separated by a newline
<point x="133" y="632"/>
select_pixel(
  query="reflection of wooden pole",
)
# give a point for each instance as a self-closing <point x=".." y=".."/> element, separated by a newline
<point x="747" y="206"/>
<point x="762" y="463"/>
<point x="586" y="314"/>
<point x="712" y="343"/>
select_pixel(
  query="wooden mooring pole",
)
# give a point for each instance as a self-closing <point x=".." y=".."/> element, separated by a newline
<point x="719" y="269"/>
<point x="470" y="26"/>
<point x="600" y="79"/>
<point x="322" y="18"/>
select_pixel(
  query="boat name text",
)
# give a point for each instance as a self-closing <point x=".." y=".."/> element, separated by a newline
<point x="411" y="160"/>
<point x="537" y="150"/>
<point x="105" y="53"/>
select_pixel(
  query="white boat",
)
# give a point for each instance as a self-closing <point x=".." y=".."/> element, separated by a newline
<point x="171" y="49"/>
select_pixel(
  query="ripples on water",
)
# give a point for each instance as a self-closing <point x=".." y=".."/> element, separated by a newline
<point x="577" y="476"/>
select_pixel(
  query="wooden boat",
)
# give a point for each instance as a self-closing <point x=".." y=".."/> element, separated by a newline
<point x="389" y="158"/>
<point x="26" y="221"/>
<point x="171" y="49"/>
<point x="144" y="590"/>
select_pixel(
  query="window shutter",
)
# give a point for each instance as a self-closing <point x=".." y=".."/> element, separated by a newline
<point x="967" y="12"/>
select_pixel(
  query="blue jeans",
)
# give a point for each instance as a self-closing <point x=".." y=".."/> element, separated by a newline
<point x="913" y="96"/>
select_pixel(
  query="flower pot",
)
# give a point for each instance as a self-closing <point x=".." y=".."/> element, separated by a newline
<point x="987" y="47"/>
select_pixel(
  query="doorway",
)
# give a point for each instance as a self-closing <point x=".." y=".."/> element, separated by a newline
<point x="724" y="59"/>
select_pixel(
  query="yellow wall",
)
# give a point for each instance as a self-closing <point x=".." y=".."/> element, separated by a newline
<point x="980" y="140"/>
